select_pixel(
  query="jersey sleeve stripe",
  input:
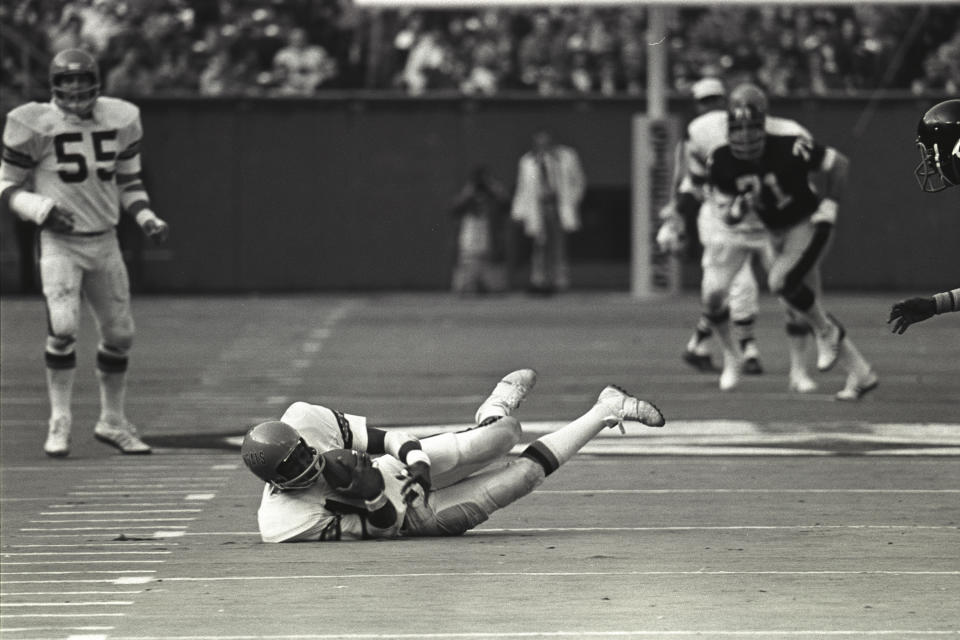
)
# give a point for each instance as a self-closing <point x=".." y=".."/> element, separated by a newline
<point x="18" y="158"/>
<point x="132" y="150"/>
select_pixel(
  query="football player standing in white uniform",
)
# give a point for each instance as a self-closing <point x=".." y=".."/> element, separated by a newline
<point x="709" y="95"/>
<point x="71" y="165"/>
<point x="938" y="138"/>
<point x="767" y="177"/>
<point x="322" y="485"/>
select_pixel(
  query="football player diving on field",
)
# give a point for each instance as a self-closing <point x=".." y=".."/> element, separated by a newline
<point x="769" y="176"/>
<point x="938" y="138"/>
<point x="322" y="484"/>
<point x="71" y="166"/>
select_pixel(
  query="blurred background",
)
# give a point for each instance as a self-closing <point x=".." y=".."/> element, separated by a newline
<point x="317" y="144"/>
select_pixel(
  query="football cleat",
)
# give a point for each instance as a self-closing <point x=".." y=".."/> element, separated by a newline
<point x="700" y="361"/>
<point x="800" y="382"/>
<point x="828" y="345"/>
<point x="623" y="406"/>
<point x="124" y="437"/>
<point x="857" y="387"/>
<point x="751" y="359"/>
<point x="58" y="438"/>
<point x="508" y="394"/>
<point x="730" y="376"/>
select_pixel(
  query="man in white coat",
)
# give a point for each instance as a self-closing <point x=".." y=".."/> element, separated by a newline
<point x="550" y="186"/>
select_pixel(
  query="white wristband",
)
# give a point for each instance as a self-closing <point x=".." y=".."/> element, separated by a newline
<point x="417" y="455"/>
<point x="31" y="206"/>
<point x="826" y="212"/>
<point x="144" y="216"/>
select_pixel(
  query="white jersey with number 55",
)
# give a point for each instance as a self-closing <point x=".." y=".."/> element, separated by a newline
<point x="74" y="160"/>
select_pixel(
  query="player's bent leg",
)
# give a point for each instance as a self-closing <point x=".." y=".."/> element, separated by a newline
<point x="456" y="509"/>
<point x="861" y="378"/>
<point x="455" y="456"/>
<point x="744" y="307"/>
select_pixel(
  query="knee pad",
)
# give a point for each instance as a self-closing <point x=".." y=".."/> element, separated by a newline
<point x="111" y="359"/>
<point x="60" y="352"/>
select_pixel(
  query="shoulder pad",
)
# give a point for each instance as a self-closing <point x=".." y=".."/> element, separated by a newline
<point x="35" y="116"/>
<point x="785" y="127"/>
<point x="707" y="132"/>
<point x="116" y="112"/>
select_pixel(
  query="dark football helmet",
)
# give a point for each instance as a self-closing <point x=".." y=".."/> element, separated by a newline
<point x="276" y="453"/>
<point x="746" y="119"/>
<point x="75" y="81"/>
<point x="938" y="138"/>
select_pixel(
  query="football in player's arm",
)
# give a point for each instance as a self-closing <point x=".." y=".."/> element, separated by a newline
<point x="938" y="139"/>
<point x="71" y="166"/>
<point x="323" y="484"/>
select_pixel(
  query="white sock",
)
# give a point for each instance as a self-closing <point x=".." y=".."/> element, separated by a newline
<point x="569" y="439"/>
<point x="60" y="391"/>
<point x="113" y="391"/>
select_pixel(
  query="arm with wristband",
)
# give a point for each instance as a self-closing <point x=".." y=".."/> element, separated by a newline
<point x="133" y="194"/>
<point x="913" y="310"/>
<point x="406" y="449"/>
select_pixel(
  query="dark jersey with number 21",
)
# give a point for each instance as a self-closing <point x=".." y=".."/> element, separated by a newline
<point x="777" y="185"/>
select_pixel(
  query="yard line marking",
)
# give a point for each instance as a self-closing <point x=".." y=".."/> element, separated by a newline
<point x="34" y="573"/>
<point x="89" y="628"/>
<point x="562" y="574"/>
<point x="117" y="512"/>
<point x="7" y="564"/>
<point x="112" y="520"/>
<point x="123" y="580"/>
<point x="172" y="526"/>
<point x="103" y="614"/>
<point x="815" y="633"/>
<point x="737" y="491"/>
<point x="104" y="603"/>
<point x="136" y="493"/>
<point x="83" y="553"/>
<point x="125" y="543"/>
<point x="69" y="593"/>
<point x="778" y="527"/>
<point x="200" y="496"/>
<point x="115" y="504"/>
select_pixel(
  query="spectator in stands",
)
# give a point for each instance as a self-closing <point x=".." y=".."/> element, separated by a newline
<point x="130" y="78"/>
<point x="301" y="68"/>
<point x="68" y="33"/>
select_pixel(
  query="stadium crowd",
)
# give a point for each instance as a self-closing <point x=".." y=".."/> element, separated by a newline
<point x="302" y="47"/>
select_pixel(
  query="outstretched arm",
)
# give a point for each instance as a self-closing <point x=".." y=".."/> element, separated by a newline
<point x="913" y="310"/>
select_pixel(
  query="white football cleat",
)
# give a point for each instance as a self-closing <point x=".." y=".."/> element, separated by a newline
<point x="57" y="444"/>
<point x="507" y="395"/>
<point x="800" y="382"/>
<point x="730" y="376"/>
<point x="623" y="406"/>
<point x="858" y="387"/>
<point x="828" y="345"/>
<point x="124" y="437"/>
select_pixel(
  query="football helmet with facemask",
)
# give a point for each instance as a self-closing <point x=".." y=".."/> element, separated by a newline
<point x="75" y="81"/>
<point x="746" y="119"/>
<point x="277" y="454"/>
<point x="938" y="139"/>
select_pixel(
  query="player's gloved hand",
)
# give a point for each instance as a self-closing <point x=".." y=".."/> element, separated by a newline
<point x="419" y="475"/>
<point x="671" y="235"/>
<point x="153" y="226"/>
<point x="59" y="220"/>
<point x="907" y="312"/>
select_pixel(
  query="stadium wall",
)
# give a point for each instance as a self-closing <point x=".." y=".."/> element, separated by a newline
<point x="353" y="193"/>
